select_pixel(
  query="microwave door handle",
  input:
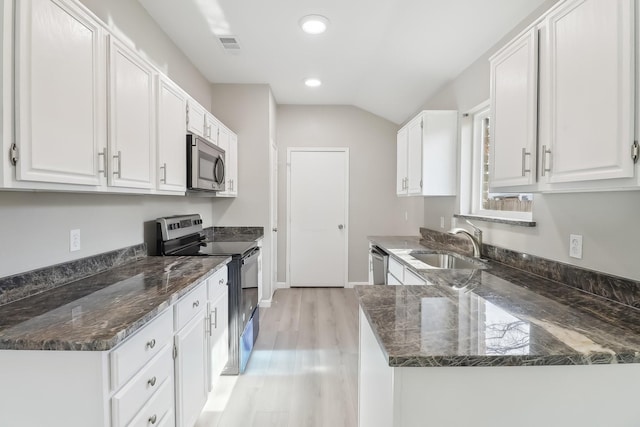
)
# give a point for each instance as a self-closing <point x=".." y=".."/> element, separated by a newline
<point x="219" y="166"/>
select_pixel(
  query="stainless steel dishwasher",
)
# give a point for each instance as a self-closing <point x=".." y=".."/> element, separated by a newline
<point x="380" y="265"/>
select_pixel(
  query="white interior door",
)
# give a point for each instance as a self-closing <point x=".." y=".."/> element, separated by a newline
<point x="317" y="214"/>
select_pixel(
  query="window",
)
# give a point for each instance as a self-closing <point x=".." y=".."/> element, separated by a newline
<point x="517" y="206"/>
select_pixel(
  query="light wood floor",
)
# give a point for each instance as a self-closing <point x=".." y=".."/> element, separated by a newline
<point x="303" y="370"/>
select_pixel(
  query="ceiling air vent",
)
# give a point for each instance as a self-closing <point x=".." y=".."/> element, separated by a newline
<point x="230" y="43"/>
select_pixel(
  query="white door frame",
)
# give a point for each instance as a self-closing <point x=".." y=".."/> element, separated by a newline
<point x="346" y="206"/>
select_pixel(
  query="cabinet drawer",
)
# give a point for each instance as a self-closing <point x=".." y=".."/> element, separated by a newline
<point x="396" y="269"/>
<point x="190" y="304"/>
<point x="132" y="397"/>
<point x="411" y="278"/>
<point x="134" y="353"/>
<point x="156" y="410"/>
<point x="217" y="284"/>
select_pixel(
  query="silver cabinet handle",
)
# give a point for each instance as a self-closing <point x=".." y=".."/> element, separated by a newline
<point x="524" y="161"/>
<point x="274" y="229"/>
<point x="119" y="157"/>
<point x="340" y="226"/>
<point x="151" y="343"/>
<point x="104" y="161"/>
<point x="152" y="381"/>
<point x="196" y="303"/>
<point x="153" y="419"/>
<point x="213" y="321"/>
<point x="163" y="168"/>
<point x="221" y="281"/>
<point x="544" y="160"/>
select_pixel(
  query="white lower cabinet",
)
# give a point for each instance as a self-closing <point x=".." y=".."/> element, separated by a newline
<point x="399" y="274"/>
<point x="218" y="325"/>
<point x="489" y="396"/>
<point x="160" y="376"/>
<point x="190" y="370"/>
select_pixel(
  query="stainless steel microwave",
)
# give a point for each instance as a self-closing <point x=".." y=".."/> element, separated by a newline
<point x="205" y="165"/>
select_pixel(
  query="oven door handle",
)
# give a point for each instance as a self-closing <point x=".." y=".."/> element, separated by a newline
<point x="252" y="254"/>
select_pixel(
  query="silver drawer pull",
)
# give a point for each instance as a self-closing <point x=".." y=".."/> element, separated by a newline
<point x="221" y="281"/>
<point x="152" y="381"/>
<point x="153" y="419"/>
<point x="196" y="303"/>
<point x="151" y="343"/>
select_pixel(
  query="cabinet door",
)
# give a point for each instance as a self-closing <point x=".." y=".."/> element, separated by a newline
<point x="211" y="128"/>
<point x="218" y="336"/>
<point x="414" y="158"/>
<point x="401" y="162"/>
<point x="131" y="119"/>
<point x="172" y="130"/>
<point x="590" y="73"/>
<point x="232" y="164"/>
<point x="228" y="141"/>
<point x="439" y="153"/>
<point x="60" y="93"/>
<point x="195" y="118"/>
<point x="514" y="105"/>
<point x="191" y="370"/>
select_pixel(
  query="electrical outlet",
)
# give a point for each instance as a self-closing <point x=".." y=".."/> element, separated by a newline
<point x="442" y="222"/>
<point x="74" y="240"/>
<point x="575" y="246"/>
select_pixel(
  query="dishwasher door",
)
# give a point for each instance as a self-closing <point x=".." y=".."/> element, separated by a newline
<point x="380" y="260"/>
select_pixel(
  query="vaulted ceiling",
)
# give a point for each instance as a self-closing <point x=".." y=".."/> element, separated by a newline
<point x="384" y="56"/>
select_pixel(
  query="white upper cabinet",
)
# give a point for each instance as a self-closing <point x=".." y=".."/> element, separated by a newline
<point x="414" y="157"/>
<point x="514" y="106"/>
<point x="228" y="141"/>
<point x="211" y="128"/>
<point x="585" y="100"/>
<point x="60" y="94"/>
<point x="401" y="162"/>
<point x="131" y="119"/>
<point x="195" y="118"/>
<point x="427" y="151"/>
<point x="589" y="96"/>
<point x="172" y="130"/>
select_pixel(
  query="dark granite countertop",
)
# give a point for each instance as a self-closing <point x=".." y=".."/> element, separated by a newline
<point x="498" y="316"/>
<point x="234" y="234"/>
<point x="100" y="311"/>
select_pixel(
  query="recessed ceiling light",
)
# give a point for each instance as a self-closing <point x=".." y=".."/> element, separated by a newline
<point x="312" y="82"/>
<point x="314" y="24"/>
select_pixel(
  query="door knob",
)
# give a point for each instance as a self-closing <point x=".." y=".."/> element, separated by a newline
<point x="274" y="229"/>
<point x="340" y="227"/>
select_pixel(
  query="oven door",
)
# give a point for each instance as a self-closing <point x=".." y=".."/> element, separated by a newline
<point x="249" y="284"/>
<point x="205" y="165"/>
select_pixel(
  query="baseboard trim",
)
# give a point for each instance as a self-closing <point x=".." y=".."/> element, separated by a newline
<point x="282" y="285"/>
<point x="266" y="303"/>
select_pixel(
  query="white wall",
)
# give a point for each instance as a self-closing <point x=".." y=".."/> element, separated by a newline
<point x="244" y="108"/>
<point x="374" y="208"/>
<point x="605" y="219"/>
<point x="34" y="227"/>
<point x="130" y="21"/>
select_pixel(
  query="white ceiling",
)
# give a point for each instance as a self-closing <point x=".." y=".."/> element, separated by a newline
<point x="384" y="56"/>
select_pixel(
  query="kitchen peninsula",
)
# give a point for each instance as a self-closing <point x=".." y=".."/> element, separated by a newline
<point x="493" y="347"/>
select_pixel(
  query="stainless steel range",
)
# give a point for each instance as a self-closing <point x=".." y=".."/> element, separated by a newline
<point x="182" y="235"/>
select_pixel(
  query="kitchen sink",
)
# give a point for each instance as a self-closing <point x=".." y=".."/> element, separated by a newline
<point x="447" y="261"/>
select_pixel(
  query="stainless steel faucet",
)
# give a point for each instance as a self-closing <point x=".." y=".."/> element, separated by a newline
<point x="476" y="238"/>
